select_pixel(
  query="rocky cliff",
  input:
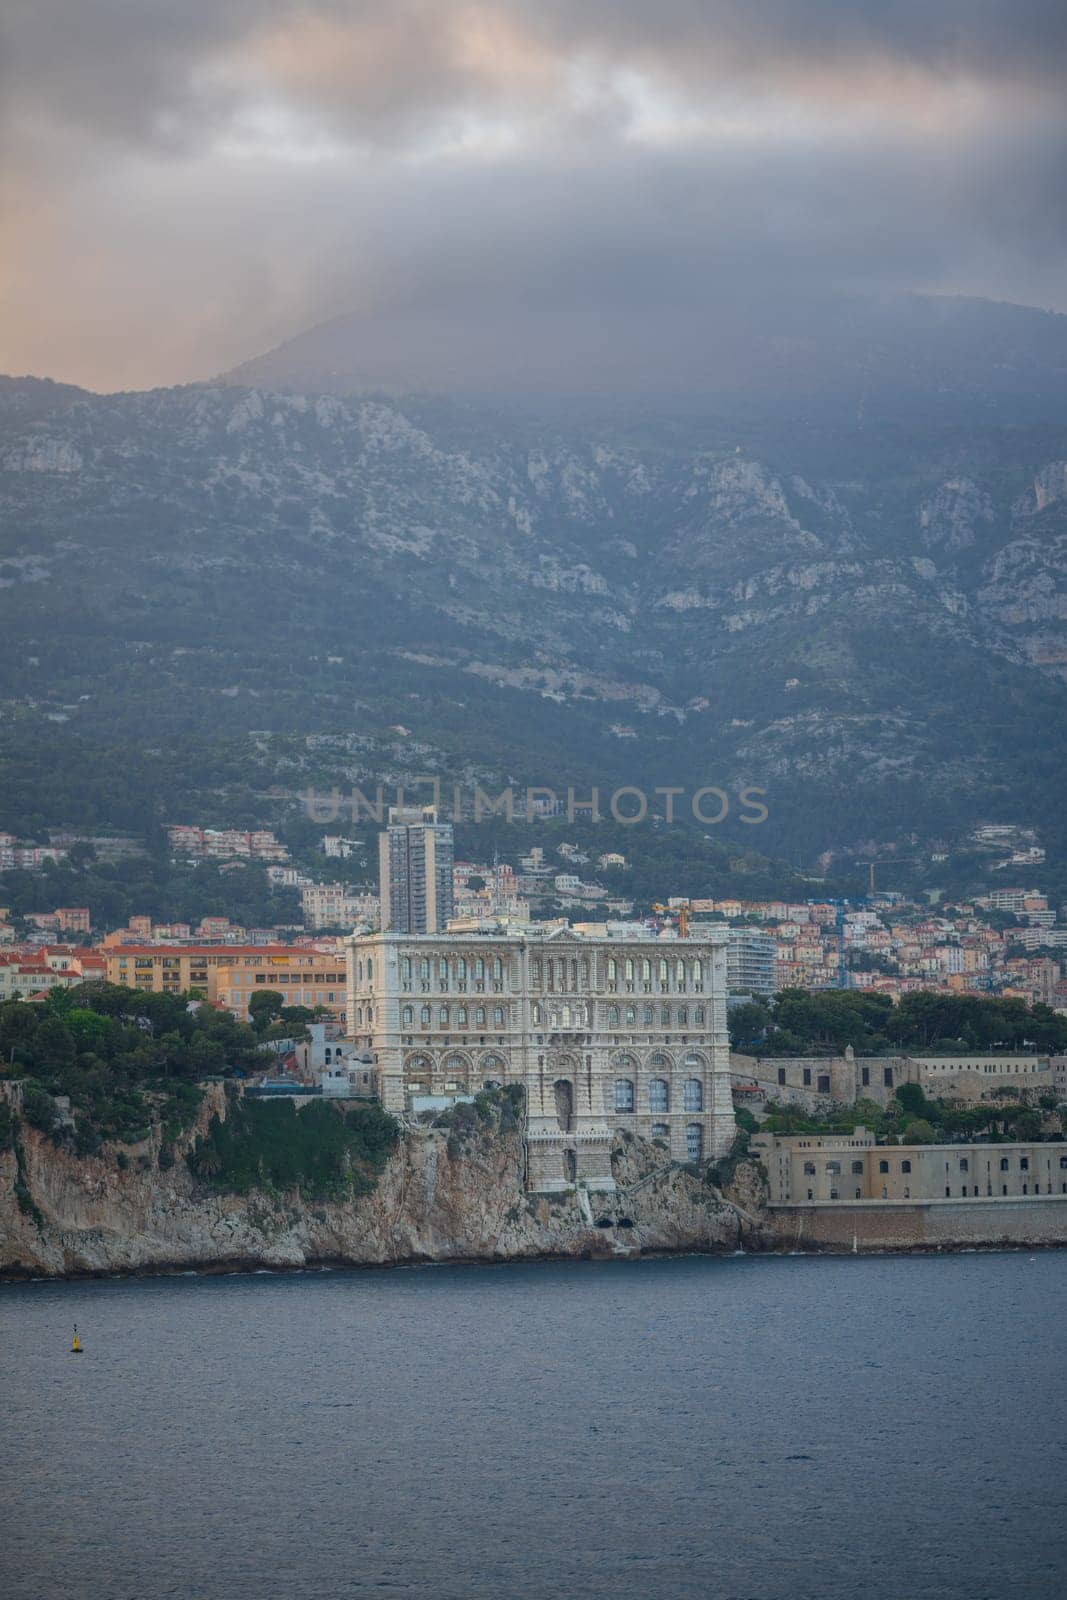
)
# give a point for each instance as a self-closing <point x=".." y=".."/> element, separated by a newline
<point x="439" y="1198"/>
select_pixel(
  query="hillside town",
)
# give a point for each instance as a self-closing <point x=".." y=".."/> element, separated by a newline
<point x="1009" y="941"/>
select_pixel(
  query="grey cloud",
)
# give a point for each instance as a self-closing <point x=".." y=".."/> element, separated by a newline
<point x="882" y="146"/>
<point x="150" y="69"/>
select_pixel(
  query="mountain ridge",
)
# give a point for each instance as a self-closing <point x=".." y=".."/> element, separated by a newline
<point x="867" y="620"/>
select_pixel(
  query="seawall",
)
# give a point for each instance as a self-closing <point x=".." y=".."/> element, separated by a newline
<point x="923" y="1224"/>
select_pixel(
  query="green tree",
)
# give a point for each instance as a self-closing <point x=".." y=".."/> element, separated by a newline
<point x="919" y="1131"/>
<point x="264" y="1007"/>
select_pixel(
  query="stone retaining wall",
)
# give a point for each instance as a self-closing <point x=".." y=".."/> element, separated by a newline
<point x="929" y="1224"/>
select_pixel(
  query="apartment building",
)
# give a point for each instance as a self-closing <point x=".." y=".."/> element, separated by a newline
<point x="231" y="974"/>
<point x="416" y="855"/>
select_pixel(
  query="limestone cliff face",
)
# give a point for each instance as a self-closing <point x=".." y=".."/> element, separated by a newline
<point x="437" y="1200"/>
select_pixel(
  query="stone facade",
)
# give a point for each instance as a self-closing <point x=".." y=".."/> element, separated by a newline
<point x="603" y="1034"/>
<point x="829" y="1169"/>
<point x="819" y="1082"/>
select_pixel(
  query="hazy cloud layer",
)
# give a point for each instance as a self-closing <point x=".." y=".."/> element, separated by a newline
<point x="186" y="184"/>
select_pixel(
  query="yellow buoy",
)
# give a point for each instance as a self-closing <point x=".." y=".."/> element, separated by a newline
<point x="76" y="1344"/>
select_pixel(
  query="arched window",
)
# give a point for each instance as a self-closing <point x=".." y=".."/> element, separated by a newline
<point x="613" y="1016"/>
<point x="646" y="971"/>
<point x="424" y="969"/>
<point x="809" y="1169"/>
<point x="407" y="1017"/>
<point x="442" y="970"/>
<point x="658" y="1060"/>
<point x="479" y="1017"/>
<point x="698" y="1017"/>
<point x="624" y="1094"/>
<point x="461" y="1017"/>
<point x="631" y="1017"/>
<point x="679" y="973"/>
<point x="370" y="969"/>
<point x="660" y="1130"/>
<point x="455" y="1064"/>
<point x="405" y="969"/>
<point x="442" y="1016"/>
<point x="461" y="968"/>
<point x="479" y="967"/>
<point x="585" y="972"/>
<point x="629" y="970"/>
<point x="965" y="1165"/>
<point x="535" y="1013"/>
<point x="613" y="969"/>
<point x="905" y="1166"/>
<point x="535" y="972"/>
<point x="883" y="1166"/>
<point x="694" y="1141"/>
<point x="1024" y="1163"/>
<point x="857" y="1169"/>
<point x="658" y="1094"/>
<point x="498" y="967"/>
<point x="663" y="971"/>
<point x="693" y="1095"/>
<point x="698" y="971"/>
<point x="683" y="1016"/>
<point x="424" y="1016"/>
<point x="1004" y="1163"/>
<point x="498" y="1016"/>
<point x="359" y="971"/>
<point x="834" y="1168"/>
<point x="649" y="1016"/>
<point x="1063" y="1162"/>
<point x="665" y="1016"/>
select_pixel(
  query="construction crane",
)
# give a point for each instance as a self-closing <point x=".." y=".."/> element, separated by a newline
<point x="680" y="912"/>
<point x="886" y="861"/>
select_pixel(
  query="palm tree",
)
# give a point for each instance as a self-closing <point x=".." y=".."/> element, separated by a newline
<point x="208" y="1161"/>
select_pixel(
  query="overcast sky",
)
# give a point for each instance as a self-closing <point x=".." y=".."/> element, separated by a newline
<point x="185" y="183"/>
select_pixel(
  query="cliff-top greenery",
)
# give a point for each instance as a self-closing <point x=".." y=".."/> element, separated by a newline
<point x="124" y="1058"/>
<point x="800" y="1022"/>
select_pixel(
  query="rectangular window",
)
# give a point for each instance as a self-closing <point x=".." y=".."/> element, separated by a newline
<point x="807" y="1077"/>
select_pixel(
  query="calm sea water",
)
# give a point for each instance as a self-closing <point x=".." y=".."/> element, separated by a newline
<point x="767" y="1429"/>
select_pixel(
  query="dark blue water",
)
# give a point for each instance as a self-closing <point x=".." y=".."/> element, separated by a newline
<point x="769" y="1429"/>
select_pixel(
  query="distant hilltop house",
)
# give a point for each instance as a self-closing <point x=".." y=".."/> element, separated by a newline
<point x="225" y="844"/>
<point x="27" y="857"/>
<point x="64" y="919"/>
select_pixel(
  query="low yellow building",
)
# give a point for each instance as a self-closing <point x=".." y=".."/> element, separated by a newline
<point x="820" y="1169"/>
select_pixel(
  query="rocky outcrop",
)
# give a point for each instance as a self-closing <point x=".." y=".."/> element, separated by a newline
<point x="440" y="1198"/>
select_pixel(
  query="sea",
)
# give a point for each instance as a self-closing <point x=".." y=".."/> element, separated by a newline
<point x="745" y="1428"/>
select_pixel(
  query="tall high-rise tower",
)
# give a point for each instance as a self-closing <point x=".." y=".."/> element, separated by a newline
<point x="415" y="858"/>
